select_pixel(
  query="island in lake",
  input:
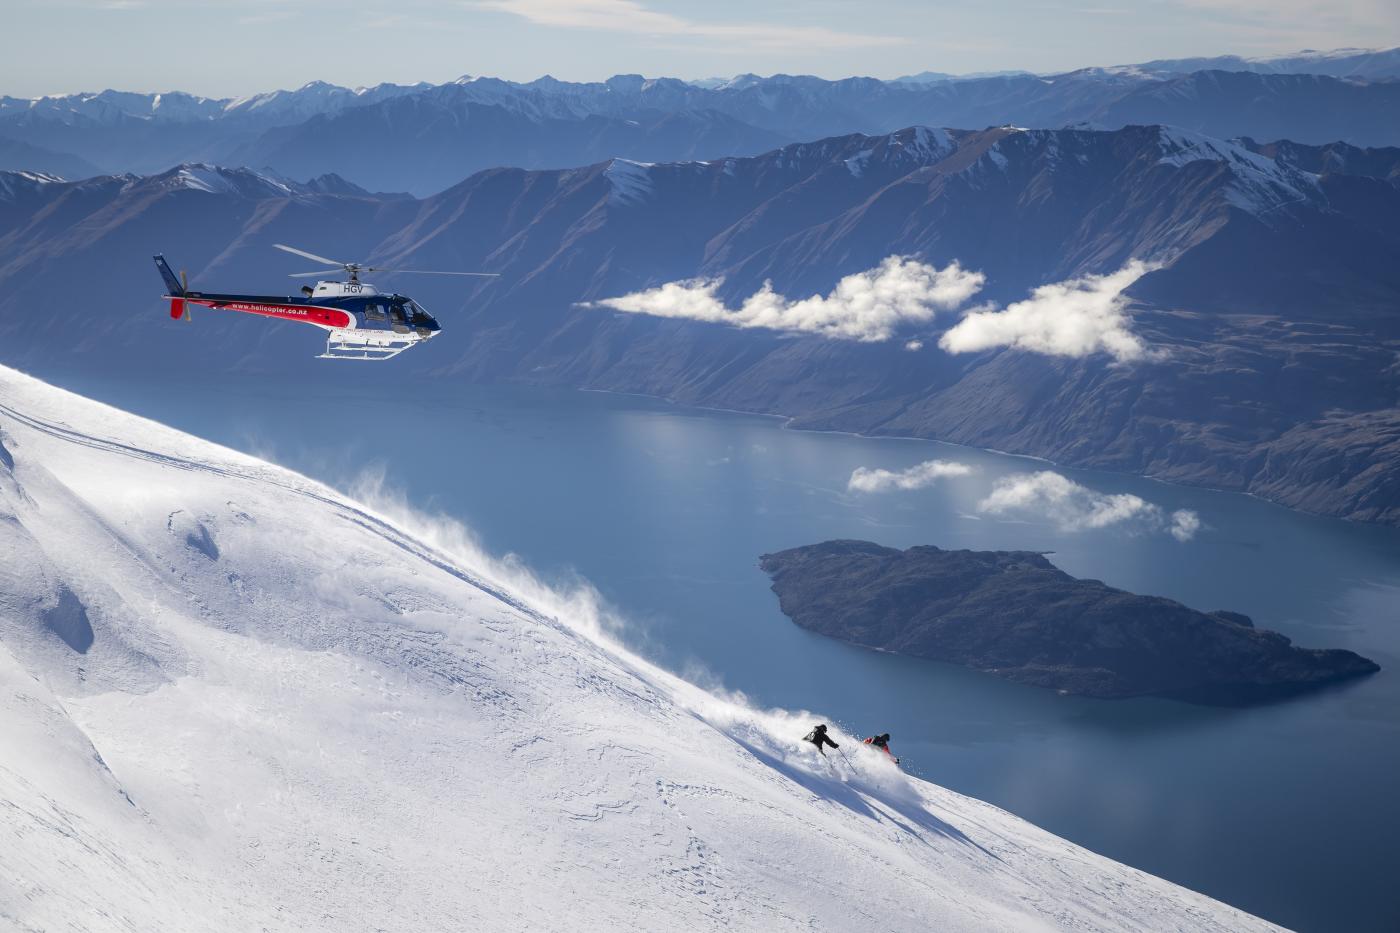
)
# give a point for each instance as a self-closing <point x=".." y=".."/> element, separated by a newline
<point x="1016" y="615"/>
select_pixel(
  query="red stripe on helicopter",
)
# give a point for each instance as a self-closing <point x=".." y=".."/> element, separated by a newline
<point x="325" y="317"/>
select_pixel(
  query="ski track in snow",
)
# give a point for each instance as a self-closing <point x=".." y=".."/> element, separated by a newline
<point x="233" y="698"/>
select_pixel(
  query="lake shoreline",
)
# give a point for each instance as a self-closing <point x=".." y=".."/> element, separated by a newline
<point x="790" y="423"/>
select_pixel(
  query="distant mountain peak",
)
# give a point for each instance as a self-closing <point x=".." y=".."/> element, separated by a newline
<point x="245" y="182"/>
<point x="630" y="181"/>
<point x="1260" y="183"/>
<point x="216" y="180"/>
<point x="12" y="184"/>
<point x="914" y="145"/>
<point x="1369" y="64"/>
<point x="923" y="141"/>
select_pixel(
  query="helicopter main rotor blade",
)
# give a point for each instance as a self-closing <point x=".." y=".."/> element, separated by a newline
<point x="308" y="275"/>
<point x="305" y="255"/>
<point x="489" y="275"/>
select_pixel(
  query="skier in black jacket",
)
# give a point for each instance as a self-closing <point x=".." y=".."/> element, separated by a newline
<point x="818" y="737"/>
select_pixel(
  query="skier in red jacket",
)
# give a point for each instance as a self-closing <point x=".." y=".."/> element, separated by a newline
<point x="882" y="742"/>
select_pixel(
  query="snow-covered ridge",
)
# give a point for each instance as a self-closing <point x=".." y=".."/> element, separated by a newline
<point x="214" y="180"/>
<point x="916" y="145"/>
<point x="13" y="183"/>
<point x="263" y="704"/>
<point x="1260" y="184"/>
<point x="218" y="179"/>
<point x="1255" y="183"/>
<point x="1346" y="62"/>
<point x="630" y="181"/>
<point x="38" y="178"/>
<point x="633" y="182"/>
<point x="315" y="97"/>
<point x="112" y="107"/>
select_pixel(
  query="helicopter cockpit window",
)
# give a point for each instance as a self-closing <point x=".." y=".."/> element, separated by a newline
<point x="415" y="311"/>
<point x="374" y="311"/>
<point x="398" y="320"/>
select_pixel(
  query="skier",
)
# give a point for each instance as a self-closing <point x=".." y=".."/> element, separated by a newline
<point x="882" y="742"/>
<point x="818" y="737"/>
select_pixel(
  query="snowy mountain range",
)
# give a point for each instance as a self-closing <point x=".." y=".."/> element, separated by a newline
<point x="264" y="704"/>
<point x="1274" y="285"/>
<point x="428" y="137"/>
<point x="1339" y="63"/>
<point x="1367" y="64"/>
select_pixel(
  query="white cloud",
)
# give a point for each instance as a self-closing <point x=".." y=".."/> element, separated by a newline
<point x="867" y="306"/>
<point x="1071" y="505"/>
<point x="913" y="346"/>
<point x="864" y="479"/>
<point x="629" y="16"/>
<point x="1284" y="14"/>
<point x="266" y="17"/>
<point x="1077" y="317"/>
<point x="1270" y="28"/>
<point x="1184" y="524"/>
<point x="1075" y="507"/>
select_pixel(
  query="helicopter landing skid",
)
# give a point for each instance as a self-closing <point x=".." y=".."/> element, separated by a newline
<point x="364" y="345"/>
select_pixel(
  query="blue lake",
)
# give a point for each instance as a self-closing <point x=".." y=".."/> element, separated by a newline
<point x="1290" y="811"/>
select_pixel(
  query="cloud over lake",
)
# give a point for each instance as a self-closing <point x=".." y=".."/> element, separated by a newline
<point x="868" y="306"/>
<point x="1075" y="507"/>
<point x="866" y="479"/>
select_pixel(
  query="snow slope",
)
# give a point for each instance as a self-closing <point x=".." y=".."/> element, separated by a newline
<point x="233" y="698"/>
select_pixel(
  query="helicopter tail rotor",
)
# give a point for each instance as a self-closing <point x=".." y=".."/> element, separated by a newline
<point x="184" y="309"/>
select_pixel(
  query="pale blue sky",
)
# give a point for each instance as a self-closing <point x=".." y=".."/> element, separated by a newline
<point x="224" y="48"/>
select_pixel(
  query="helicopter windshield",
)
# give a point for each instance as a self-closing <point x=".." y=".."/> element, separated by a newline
<point x="406" y="314"/>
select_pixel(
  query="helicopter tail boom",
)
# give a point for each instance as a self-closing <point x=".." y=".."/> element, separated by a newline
<point x="172" y="284"/>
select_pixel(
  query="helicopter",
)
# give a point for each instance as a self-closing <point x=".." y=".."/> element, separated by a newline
<point x="363" y="323"/>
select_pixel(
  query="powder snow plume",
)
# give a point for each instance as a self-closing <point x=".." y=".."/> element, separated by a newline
<point x="574" y="602"/>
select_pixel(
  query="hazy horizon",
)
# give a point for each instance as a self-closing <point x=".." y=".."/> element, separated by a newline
<point x="228" y="50"/>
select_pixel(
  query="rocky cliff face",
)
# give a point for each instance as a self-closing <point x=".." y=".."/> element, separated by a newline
<point x="1272" y="319"/>
<point x="1014" y="614"/>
